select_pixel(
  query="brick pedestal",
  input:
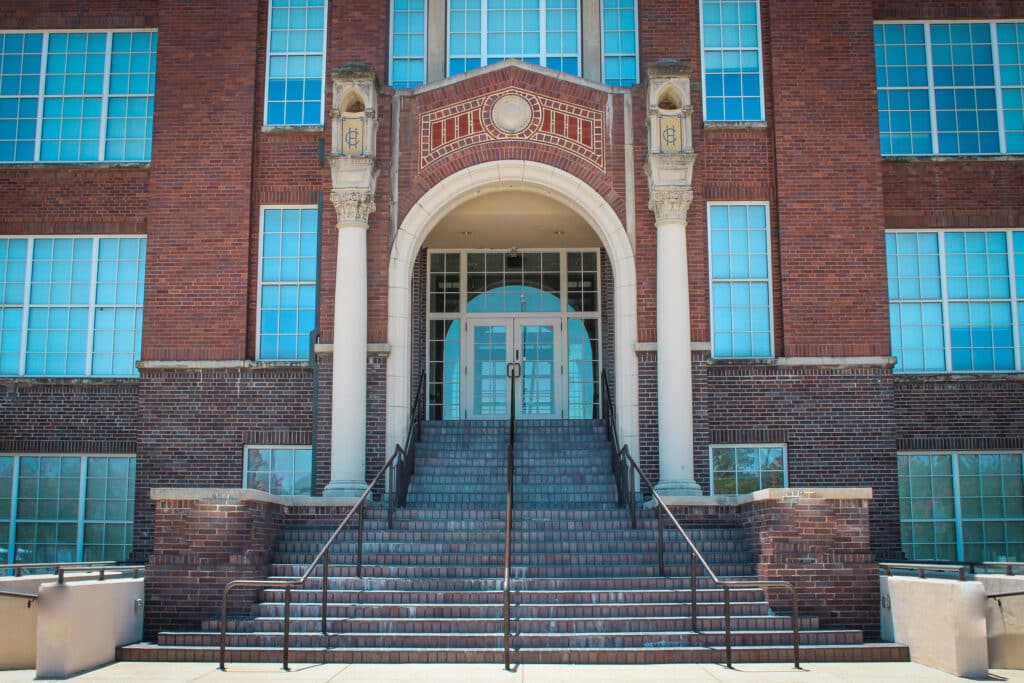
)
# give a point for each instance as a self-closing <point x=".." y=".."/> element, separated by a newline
<point x="207" y="537"/>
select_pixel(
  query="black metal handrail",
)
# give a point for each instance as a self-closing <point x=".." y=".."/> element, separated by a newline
<point x="402" y="462"/>
<point x="512" y="371"/>
<point x="19" y="568"/>
<point x="626" y="470"/>
<point x="922" y="569"/>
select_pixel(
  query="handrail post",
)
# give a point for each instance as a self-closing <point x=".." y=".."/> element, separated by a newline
<point x="287" y="623"/>
<point x="631" y="493"/>
<point x="796" y="632"/>
<point x="693" y="591"/>
<point x="223" y="626"/>
<point x="359" y="544"/>
<point x="323" y="595"/>
<point x="728" y="626"/>
<point x="661" y="541"/>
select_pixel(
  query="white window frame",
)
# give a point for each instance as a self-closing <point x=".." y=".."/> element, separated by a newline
<point x="1016" y="300"/>
<point x="703" y="71"/>
<point x="12" y="519"/>
<point x="92" y="306"/>
<point x="997" y="85"/>
<point x="958" y="519"/>
<point x="605" y="54"/>
<point x="259" y="275"/>
<point x="769" y="279"/>
<point x="711" y="463"/>
<point x="484" y="56"/>
<point x="41" y="98"/>
<point x="323" y="71"/>
<point x="271" y="447"/>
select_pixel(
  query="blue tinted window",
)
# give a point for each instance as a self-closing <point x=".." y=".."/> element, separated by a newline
<point x="952" y="302"/>
<point x="619" y="42"/>
<point x="295" y="63"/>
<point x="94" y="103"/>
<point x="741" y="325"/>
<point x="288" y="283"/>
<point x="544" y="32"/>
<point x="408" y="43"/>
<point x="76" y="302"/>
<point x="732" y="60"/>
<point x="967" y="101"/>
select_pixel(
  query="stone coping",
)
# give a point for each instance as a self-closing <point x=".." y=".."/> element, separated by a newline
<point x="231" y="496"/>
<point x="786" y="495"/>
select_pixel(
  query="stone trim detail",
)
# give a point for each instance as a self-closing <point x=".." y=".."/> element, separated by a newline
<point x="555" y="123"/>
<point x="670" y="205"/>
<point x="353" y="206"/>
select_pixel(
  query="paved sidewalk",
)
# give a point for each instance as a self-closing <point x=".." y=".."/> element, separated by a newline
<point x="527" y="673"/>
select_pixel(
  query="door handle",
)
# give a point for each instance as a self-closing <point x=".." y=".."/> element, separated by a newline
<point x="513" y="369"/>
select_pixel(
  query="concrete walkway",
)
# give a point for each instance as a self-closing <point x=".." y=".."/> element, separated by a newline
<point x="530" y="673"/>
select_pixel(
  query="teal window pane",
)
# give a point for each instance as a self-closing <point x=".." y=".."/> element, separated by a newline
<point x="744" y="469"/>
<point x="731" y="60"/>
<point x="619" y="42"/>
<point x="295" y="85"/>
<point x="408" y="43"/>
<point x="740" y="281"/>
<point x="288" y="275"/>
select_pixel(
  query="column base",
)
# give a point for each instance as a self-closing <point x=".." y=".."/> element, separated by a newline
<point x="679" y="487"/>
<point x="340" y="488"/>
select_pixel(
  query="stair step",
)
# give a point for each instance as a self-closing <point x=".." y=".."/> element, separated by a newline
<point x="873" y="652"/>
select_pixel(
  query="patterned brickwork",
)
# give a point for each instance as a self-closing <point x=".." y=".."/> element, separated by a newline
<point x="564" y="125"/>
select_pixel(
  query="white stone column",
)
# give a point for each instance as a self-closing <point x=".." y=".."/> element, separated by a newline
<point x="675" y="373"/>
<point x="348" y="389"/>
<point x="670" y="161"/>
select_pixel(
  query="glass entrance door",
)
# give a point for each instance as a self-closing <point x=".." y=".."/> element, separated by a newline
<point x="536" y="345"/>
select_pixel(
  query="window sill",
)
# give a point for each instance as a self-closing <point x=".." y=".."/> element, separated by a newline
<point x="41" y="379"/>
<point x="999" y="376"/>
<point x="735" y="125"/>
<point x="74" y="164"/>
<point x="952" y="158"/>
<point x="272" y="130"/>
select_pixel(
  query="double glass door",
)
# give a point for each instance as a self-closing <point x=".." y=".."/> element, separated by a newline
<point x="529" y="349"/>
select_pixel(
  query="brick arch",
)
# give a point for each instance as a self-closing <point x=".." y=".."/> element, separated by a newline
<point x="487" y="178"/>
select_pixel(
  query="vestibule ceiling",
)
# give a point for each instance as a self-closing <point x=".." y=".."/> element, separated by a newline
<point x="503" y="220"/>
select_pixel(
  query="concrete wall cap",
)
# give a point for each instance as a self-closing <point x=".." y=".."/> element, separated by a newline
<point x="788" y="495"/>
<point x="228" y="495"/>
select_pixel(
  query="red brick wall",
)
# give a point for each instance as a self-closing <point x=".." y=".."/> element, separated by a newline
<point x="954" y="193"/>
<point x="838" y="425"/>
<point x="201" y="545"/>
<point x="68" y="416"/>
<point x="828" y="179"/>
<point x="822" y="547"/>
<point x="948" y="9"/>
<point x="193" y="426"/>
<point x="200" y="209"/>
<point x="961" y="413"/>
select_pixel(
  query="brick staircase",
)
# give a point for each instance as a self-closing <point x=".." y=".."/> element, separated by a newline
<point x="586" y="587"/>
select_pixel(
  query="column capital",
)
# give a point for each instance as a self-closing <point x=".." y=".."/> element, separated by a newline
<point x="353" y="206"/>
<point x="670" y="204"/>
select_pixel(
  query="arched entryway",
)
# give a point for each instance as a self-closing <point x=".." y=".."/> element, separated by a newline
<point x="490" y="178"/>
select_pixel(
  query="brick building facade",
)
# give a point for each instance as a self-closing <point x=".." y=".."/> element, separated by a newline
<point x="803" y="364"/>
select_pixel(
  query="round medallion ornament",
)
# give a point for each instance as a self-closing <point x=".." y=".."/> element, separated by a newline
<point x="511" y="113"/>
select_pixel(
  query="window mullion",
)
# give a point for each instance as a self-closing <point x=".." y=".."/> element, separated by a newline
<point x="1015" y="300"/>
<point x="101" y="153"/>
<point x="998" y="81"/>
<point x="947" y="332"/>
<point x="91" y="324"/>
<point x="543" y="23"/>
<point x="12" y="533"/>
<point x="41" y="99"/>
<point x="932" y="113"/>
<point x="80" y="532"/>
<point x="958" y="522"/>
<point x="25" y="308"/>
<point x="484" y="14"/>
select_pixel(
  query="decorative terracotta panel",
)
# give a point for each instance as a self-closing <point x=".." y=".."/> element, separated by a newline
<point x="512" y="114"/>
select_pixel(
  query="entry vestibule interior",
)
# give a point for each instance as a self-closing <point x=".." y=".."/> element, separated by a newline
<point x="512" y="277"/>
